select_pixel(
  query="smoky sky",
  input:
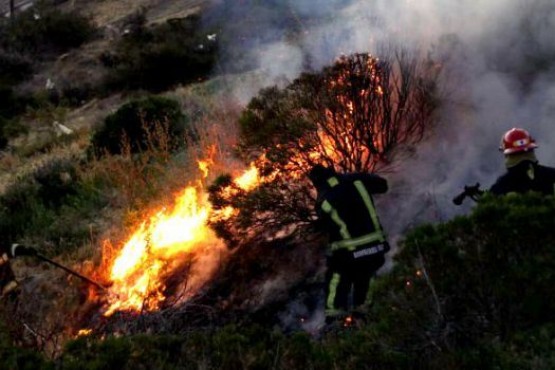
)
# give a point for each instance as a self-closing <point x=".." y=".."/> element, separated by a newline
<point x="498" y="58"/>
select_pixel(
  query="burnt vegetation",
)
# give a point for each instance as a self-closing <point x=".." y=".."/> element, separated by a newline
<point x="357" y="115"/>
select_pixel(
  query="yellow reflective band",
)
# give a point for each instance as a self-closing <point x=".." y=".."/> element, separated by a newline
<point x="352" y="244"/>
<point x="530" y="172"/>
<point x="369" y="205"/>
<point x="332" y="291"/>
<point x="333" y="181"/>
<point x="328" y="208"/>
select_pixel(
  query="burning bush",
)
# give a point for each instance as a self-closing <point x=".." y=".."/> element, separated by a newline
<point x="355" y="115"/>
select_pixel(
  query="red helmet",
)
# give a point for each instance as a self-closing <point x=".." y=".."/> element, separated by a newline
<point x="517" y="140"/>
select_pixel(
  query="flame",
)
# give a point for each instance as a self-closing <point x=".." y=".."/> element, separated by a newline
<point x="161" y="243"/>
<point x="84" y="332"/>
<point x="154" y="250"/>
<point x="250" y="179"/>
<point x="165" y="240"/>
<point x="204" y="164"/>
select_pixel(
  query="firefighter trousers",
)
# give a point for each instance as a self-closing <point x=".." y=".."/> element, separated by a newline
<point x="348" y="275"/>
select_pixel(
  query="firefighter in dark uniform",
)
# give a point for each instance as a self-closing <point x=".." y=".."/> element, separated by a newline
<point x="523" y="171"/>
<point x="10" y="290"/>
<point x="8" y="284"/>
<point x="357" y="243"/>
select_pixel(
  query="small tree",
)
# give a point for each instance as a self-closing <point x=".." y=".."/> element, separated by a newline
<point x="354" y="115"/>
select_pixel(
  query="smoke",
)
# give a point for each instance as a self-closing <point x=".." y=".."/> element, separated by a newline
<point x="498" y="60"/>
<point x="499" y="73"/>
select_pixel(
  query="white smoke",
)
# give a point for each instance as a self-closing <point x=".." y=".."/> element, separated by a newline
<point x="499" y="60"/>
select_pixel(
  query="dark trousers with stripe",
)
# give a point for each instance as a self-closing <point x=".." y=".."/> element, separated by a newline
<point x="346" y="274"/>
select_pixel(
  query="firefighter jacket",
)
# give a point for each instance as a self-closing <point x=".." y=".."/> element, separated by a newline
<point x="346" y="210"/>
<point x="526" y="176"/>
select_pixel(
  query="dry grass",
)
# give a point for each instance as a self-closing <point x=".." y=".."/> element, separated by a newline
<point x="109" y="12"/>
<point x="14" y="165"/>
<point x="138" y="184"/>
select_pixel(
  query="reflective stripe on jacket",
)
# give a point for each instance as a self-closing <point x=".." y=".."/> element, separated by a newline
<point x="351" y="210"/>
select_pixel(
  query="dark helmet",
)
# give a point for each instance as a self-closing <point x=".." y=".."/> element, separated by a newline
<point x="319" y="174"/>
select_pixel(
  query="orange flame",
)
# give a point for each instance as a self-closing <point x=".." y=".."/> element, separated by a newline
<point x="154" y="250"/>
<point x="162" y="243"/>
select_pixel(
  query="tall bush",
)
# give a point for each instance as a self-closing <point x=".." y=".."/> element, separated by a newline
<point x="140" y="124"/>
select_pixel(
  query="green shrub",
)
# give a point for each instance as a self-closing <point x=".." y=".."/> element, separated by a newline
<point x="472" y="293"/>
<point x="10" y="104"/>
<point x="57" y="180"/>
<point x="51" y="206"/>
<point x="143" y="124"/>
<point x="473" y="282"/>
<point x="14" y="67"/>
<point x="157" y="58"/>
<point x="43" y="32"/>
<point x="16" y="358"/>
<point x="20" y="208"/>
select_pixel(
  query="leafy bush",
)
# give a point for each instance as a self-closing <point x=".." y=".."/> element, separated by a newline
<point x="475" y="283"/>
<point x="157" y="58"/>
<point x="14" y="67"/>
<point x="13" y="357"/>
<point x="230" y="347"/>
<point x="57" y="180"/>
<point x="51" y="207"/>
<point x="141" y="124"/>
<point x="11" y="105"/>
<point x="18" y="207"/>
<point x="43" y="32"/>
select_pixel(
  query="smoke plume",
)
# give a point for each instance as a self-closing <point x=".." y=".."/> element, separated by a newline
<point x="499" y="72"/>
<point x="498" y="61"/>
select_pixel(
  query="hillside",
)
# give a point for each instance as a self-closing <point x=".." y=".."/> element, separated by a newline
<point x="158" y="151"/>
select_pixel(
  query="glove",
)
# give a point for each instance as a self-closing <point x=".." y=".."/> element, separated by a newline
<point x="22" y="250"/>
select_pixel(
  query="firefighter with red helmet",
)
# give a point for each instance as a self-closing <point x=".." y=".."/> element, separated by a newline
<point x="523" y="171"/>
<point x="357" y="242"/>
